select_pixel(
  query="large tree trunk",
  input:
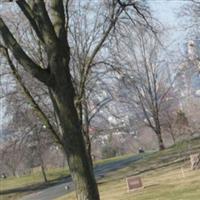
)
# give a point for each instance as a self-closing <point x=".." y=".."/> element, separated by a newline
<point x="57" y="78"/>
<point x="63" y="95"/>
<point x="86" y="125"/>
<point x="74" y="146"/>
<point x="82" y="110"/>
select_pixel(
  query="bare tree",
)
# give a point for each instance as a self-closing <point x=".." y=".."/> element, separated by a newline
<point x="146" y="79"/>
<point x="52" y="28"/>
<point x="40" y="146"/>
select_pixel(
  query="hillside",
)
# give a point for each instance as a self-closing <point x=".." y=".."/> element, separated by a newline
<point x="166" y="175"/>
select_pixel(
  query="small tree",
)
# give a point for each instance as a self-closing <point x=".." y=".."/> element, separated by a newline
<point x="146" y="79"/>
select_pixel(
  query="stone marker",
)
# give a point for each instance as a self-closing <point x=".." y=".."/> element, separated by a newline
<point x="134" y="183"/>
<point x="195" y="161"/>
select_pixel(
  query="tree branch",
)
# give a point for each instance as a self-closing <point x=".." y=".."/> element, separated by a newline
<point x="113" y="20"/>
<point x="35" y="70"/>
<point x="98" y="108"/>
<point x="58" y="18"/>
<point x="43" y="22"/>
<point x="34" y="104"/>
<point x="28" y="12"/>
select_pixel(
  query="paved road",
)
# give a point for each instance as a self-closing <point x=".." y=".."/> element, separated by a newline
<point x="59" y="190"/>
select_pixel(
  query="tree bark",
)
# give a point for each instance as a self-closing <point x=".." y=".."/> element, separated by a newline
<point x="157" y="129"/>
<point x="44" y="173"/>
<point x="172" y="135"/>
<point x="85" y="125"/>
<point x="160" y="140"/>
<point x="74" y="146"/>
<point x="56" y="76"/>
<point x="63" y="96"/>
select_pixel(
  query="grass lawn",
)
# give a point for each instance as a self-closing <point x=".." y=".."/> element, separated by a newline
<point x="161" y="174"/>
<point x="168" y="183"/>
<point x="35" y="178"/>
<point x="166" y="175"/>
<point x="29" y="180"/>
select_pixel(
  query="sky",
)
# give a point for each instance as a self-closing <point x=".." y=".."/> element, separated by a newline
<point x="166" y="11"/>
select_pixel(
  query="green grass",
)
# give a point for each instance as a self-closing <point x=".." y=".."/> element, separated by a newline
<point x="29" y="180"/>
<point x="160" y="172"/>
<point x="162" y="184"/>
<point x="52" y="174"/>
<point x="113" y="159"/>
<point x="166" y="175"/>
<point x="12" y="196"/>
<point x="34" y="178"/>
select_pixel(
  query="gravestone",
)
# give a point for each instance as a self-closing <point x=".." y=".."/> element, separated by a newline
<point x="195" y="161"/>
<point x="134" y="183"/>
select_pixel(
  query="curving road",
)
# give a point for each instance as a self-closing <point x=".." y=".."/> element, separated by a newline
<point x="66" y="185"/>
